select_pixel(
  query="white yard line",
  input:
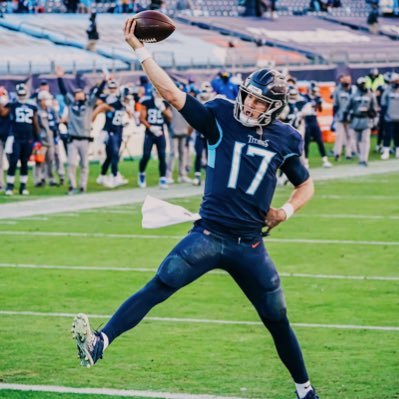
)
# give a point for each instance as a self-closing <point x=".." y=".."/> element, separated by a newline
<point x="358" y="197"/>
<point x="176" y="237"/>
<point x="109" y="392"/>
<point x="203" y="321"/>
<point x="345" y="216"/>
<point x="221" y="272"/>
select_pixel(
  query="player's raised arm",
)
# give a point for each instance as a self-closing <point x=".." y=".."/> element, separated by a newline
<point x="158" y="77"/>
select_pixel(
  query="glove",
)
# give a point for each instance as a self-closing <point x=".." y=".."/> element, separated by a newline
<point x="156" y="130"/>
<point x="104" y="136"/>
<point x="160" y="104"/>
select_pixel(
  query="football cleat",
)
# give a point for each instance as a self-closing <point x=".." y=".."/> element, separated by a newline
<point x="89" y="343"/>
<point x="163" y="183"/>
<point x="141" y="181"/>
<point x="310" y="395"/>
<point x="102" y="179"/>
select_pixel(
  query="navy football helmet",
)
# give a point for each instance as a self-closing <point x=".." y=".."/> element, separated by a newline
<point x="21" y="90"/>
<point x="270" y="87"/>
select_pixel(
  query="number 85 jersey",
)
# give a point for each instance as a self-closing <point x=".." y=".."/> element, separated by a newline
<point x="242" y="167"/>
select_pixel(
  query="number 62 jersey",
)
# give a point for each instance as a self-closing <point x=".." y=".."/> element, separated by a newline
<point x="242" y="165"/>
<point x="22" y="120"/>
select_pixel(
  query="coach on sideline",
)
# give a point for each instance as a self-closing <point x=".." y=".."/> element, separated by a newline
<point x="80" y="115"/>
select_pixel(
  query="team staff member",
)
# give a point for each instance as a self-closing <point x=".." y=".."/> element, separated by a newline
<point x="361" y="111"/>
<point x="344" y="134"/>
<point x="247" y="146"/>
<point x="80" y="114"/>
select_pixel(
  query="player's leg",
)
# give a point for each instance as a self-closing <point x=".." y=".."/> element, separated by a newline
<point x="196" y="254"/>
<point x="161" y="149"/>
<point x="389" y="130"/>
<point x="307" y="140"/>
<point x="13" y="161"/>
<point x="107" y="161"/>
<point x="2" y="152"/>
<point x="255" y="273"/>
<point x="25" y="153"/>
<point x="395" y="134"/>
<point x="147" y="147"/>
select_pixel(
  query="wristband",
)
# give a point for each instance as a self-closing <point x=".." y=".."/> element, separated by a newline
<point x="142" y="54"/>
<point x="288" y="210"/>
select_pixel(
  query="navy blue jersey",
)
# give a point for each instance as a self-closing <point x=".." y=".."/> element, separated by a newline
<point x="5" y="125"/>
<point x="154" y="115"/>
<point x="294" y="116"/>
<point x="114" y="118"/>
<point x="52" y="120"/>
<point x="310" y="109"/>
<point x="242" y="166"/>
<point x="21" y="116"/>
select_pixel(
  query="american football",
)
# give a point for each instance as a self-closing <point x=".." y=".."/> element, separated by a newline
<point x="153" y="26"/>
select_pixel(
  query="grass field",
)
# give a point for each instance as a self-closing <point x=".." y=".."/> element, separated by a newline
<point x="129" y="169"/>
<point x="349" y="230"/>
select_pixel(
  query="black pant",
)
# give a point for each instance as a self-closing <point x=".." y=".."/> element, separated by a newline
<point x="160" y="142"/>
<point x="21" y="151"/>
<point x="391" y="132"/>
<point x="312" y="131"/>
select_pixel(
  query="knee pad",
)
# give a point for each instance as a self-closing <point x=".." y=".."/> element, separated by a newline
<point x="273" y="307"/>
<point x="174" y="271"/>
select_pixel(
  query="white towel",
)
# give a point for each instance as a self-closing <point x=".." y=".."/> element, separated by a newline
<point x="157" y="213"/>
<point x="9" y="145"/>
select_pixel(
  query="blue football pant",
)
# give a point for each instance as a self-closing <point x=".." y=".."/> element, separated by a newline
<point x="250" y="266"/>
<point x="112" y="153"/>
<point x="160" y="143"/>
<point x="21" y="151"/>
<point x="313" y="132"/>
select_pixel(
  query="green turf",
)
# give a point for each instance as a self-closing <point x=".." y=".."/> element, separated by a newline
<point x="229" y="360"/>
<point x="129" y="168"/>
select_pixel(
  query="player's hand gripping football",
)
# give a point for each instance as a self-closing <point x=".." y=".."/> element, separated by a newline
<point x="274" y="217"/>
<point x="128" y="31"/>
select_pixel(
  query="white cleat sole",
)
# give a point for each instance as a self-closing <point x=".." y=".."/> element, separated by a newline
<point x="82" y="334"/>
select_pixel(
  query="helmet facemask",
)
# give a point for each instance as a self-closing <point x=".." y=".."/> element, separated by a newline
<point x="273" y="108"/>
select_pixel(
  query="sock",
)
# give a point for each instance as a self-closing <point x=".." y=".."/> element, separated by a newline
<point x="303" y="389"/>
<point x="106" y="341"/>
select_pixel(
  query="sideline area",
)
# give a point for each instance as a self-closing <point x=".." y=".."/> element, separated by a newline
<point x="124" y="197"/>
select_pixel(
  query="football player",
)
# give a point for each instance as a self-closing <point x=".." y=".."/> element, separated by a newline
<point x="247" y="145"/>
<point x="312" y="128"/>
<point x="24" y="131"/>
<point x="154" y="112"/>
<point x="114" y="109"/>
